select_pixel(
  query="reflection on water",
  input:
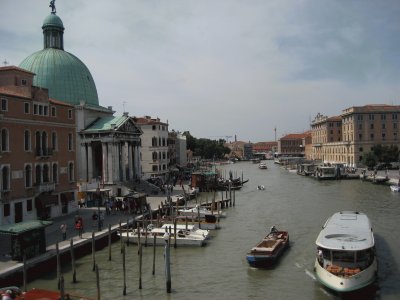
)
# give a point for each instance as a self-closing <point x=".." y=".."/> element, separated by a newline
<point x="298" y="204"/>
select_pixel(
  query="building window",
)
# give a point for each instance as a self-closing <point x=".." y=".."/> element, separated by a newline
<point x="4" y="140"/>
<point x="4" y="104"/>
<point x="383" y="136"/>
<point x="383" y="117"/>
<point x="383" y="125"/>
<point x="155" y="168"/>
<point x="395" y="135"/>
<point x="371" y="126"/>
<point x="27" y="107"/>
<point x="372" y="136"/>
<point x="38" y="175"/>
<point x="29" y="205"/>
<point x="27" y="140"/>
<point x="394" y="116"/>
<point x="69" y="113"/>
<point x="394" y="125"/>
<point x="23" y="82"/>
<point x="360" y="126"/>
<point x="71" y="172"/>
<point x="360" y="136"/>
<point x="154" y="155"/>
<point x="46" y="173"/>
<point x="53" y="111"/>
<point x="5" y="178"/>
<point x="55" y="173"/>
<point x="28" y="176"/>
<point x="153" y="127"/>
<point x="361" y="149"/>
<point x="6" y="208"/>
<point x="70" y="142"/>
<point x="154" y="142"/>
<point x="35" y="109"/>
<point x="371" y="117"/>
<point x="46" y="110"/>
<point x="54" y="141"/>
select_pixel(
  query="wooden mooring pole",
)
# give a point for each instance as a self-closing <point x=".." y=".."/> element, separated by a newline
<point x="124" y="269"/>
<point x="140" y="265"/>
<point x="58" y="267"/>
<point x="167" y="267"/>
<point x="154" y="254"/>
<point x="109" y="242"/>
<point x="73" y="260"/>
<point x="93" y="251"/>
<point x="120" y="235"/>
<point x="98" y="282"/>
<point x="24" y="272"/>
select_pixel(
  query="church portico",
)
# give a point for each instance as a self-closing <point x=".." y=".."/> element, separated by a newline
<point x="109" y="146"/>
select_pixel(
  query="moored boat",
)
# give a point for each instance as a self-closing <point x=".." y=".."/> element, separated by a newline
<point x="38" y="294"/>
<point x="146" y="236"/>
<point x="346" y="259"/>
<point x="395" y="188"/>
<point x="267" y="252"/>
<point x="200" y="212"/>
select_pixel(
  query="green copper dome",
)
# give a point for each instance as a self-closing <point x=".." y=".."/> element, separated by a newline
<point x="53" y="20"/>
<point x="65" y="75"/>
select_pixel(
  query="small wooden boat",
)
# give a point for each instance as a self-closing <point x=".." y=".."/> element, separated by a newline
<point x="266" y="253"/>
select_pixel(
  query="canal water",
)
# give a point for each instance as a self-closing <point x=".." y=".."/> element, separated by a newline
<point x="291" y="202"/>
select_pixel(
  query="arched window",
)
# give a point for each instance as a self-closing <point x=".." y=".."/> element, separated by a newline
<point x="54" y="140"/>
<point x="70" y="142"/>
<point x="38" y="174"/>
<point x="5" y="178"/>
<point x="44" y="143"/>
<point x="159" y="155"/>
<point x="154" y="142"/>
<point x="28" y="176"/>
<point x="27" y="140"/>
<point x="46" y="173"/>
<point x="154" y="155"/>
<point x="55" y="173"/>
<point x="4" y="139"/>
<point x="38" y="144"/>
<point x="71" y="171"/>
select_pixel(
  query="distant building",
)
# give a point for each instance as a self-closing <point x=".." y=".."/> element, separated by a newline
<point x="154" y="151"/>
<point x="292" y="144"/>
<point x="37" y="154"/>
<point x="237" y="149"/>
<point x="347" y="138"/>
<point x="265" y="148"/>
<point x="177" y="149"/>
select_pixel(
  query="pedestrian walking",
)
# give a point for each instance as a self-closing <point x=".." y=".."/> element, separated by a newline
<point x="63" y="229"/>
<point x="79" y="227"/>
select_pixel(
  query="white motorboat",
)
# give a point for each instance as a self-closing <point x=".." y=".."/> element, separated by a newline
<point x="190" y="228"/>
<point x="261" y="187"/>
<point x="183" y="237"/>
<point x="346" y="259"/>
<point x="395" y="188"/>
<point x="199" y="211"/>
<point x="263" y="165"/>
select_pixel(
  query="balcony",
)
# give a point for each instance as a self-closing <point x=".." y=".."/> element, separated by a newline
<point x="44" y="152"/>
<point x="45" y="187"/>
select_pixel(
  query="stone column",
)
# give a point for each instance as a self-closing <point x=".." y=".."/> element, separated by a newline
<point x="110" y="164"/>
<point x="116" y="162"/>
<point x="130" y="162"/>
<point x="90" y="161"/>
<point x="104" y="172"/>
<point x="82" y="163"/>
<point x="124" y="147"/>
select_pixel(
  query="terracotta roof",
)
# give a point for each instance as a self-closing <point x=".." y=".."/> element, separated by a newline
<point x="374" y="108"/>
<point x="15" y="91"/>
<point x="296" y="135"/>
<point x="8" y="68"/>
<point x="334" y="119"/>
<point x="58" y="102"/>
<point x="148" y="121"/>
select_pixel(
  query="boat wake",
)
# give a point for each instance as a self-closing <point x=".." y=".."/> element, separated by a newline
<point x="310" y="274"/>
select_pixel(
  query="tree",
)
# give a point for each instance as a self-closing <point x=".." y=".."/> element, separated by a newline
<point x="206" y="148"/>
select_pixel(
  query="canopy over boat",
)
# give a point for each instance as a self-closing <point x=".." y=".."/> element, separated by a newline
<point x="347" y="230"/>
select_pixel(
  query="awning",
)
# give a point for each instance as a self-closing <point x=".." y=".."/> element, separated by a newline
<point x="44" y="200"/>
<point x="18" y="228"/>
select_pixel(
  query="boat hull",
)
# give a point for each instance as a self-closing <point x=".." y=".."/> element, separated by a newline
<point x="133" y="238"/>
<point x="349" y="284"/>
<point x="267" y="253"/>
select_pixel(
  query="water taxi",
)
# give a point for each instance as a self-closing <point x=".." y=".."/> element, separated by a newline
<point x="346" y="259"/>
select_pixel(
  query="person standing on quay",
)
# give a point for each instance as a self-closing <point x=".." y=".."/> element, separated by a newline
<point x="79" y="227"/>
<point x="63" y="229"/>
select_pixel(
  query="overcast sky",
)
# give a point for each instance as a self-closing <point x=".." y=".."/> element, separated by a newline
<point x="222" y="68"/>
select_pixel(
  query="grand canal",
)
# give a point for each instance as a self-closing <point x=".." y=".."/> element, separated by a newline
<point x="220" y="271"/>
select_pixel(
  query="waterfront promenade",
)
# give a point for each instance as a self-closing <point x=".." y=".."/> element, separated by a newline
<point x="54" y="234"/>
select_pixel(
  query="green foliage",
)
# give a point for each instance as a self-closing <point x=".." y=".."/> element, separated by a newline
<point x="381" y="154"/>
<point x="206" y="148"/>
